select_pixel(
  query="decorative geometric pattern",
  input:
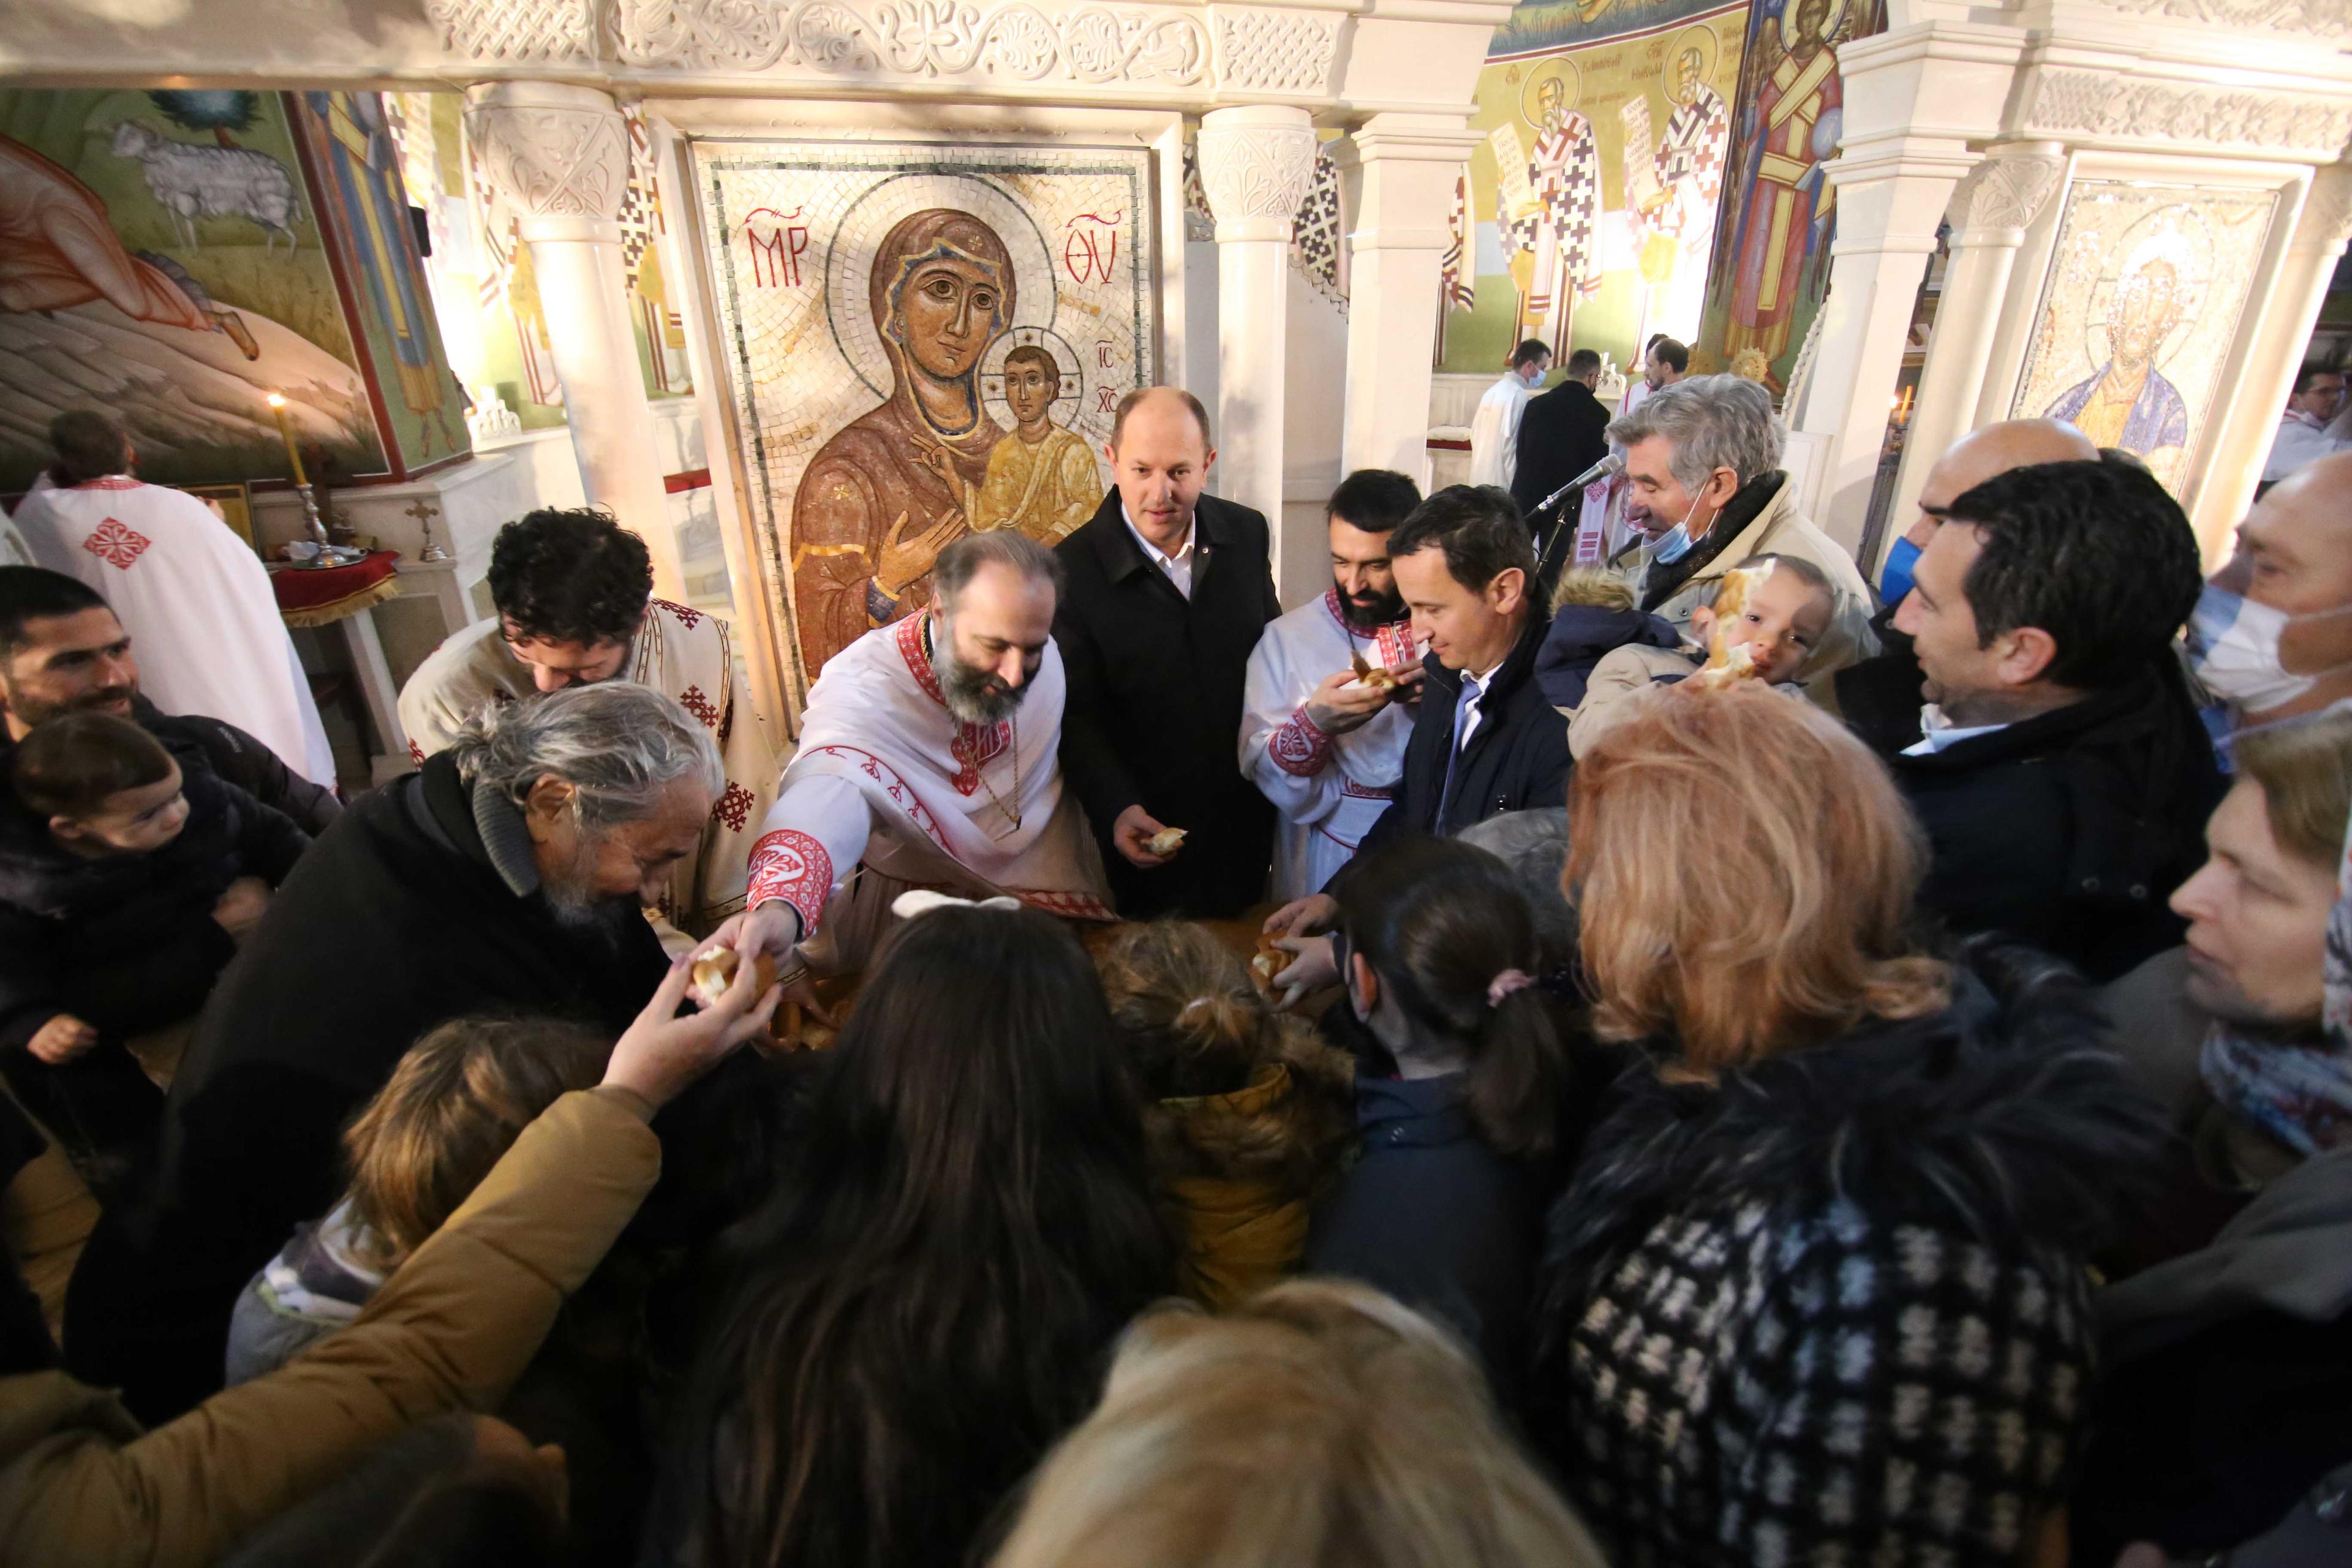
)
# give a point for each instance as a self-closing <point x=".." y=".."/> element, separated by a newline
<point x="1753" y="1392"/>
<point x="2285" y="124"/>
<point x="734" y="806"/>
<point x="793" y="229"/>
<point x="1277" y="51"/>
<point x="687" y="618"/>
<point x="518" y="31"/>
<point x="115" y="544"/>
<point x="1315" y="234"/>
<point x="701" y="706"/>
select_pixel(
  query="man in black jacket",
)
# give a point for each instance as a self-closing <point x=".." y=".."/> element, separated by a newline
<point x="2061" y="772"/>
<point x="1486" y="739"/>
<point x="508" y="874"/>
<point x="1562" y="434"/>
<point x="61" y="650"/>
<point x="1168" y="591"/>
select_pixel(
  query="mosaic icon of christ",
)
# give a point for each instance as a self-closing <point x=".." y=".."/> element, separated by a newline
<point x="1042" y="478"/>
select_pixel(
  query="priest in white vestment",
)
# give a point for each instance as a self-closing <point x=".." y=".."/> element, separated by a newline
<point x="573" y="592"/>
<point x="194" y="596"/>
<point x="1495" y="428"/>
<point x="928" y="757"/>
<point x="1327" y="749"/>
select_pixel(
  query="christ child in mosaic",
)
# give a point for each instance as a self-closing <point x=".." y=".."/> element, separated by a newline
<point x="1042" y="478"/>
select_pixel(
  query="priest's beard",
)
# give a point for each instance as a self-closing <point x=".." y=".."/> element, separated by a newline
<point x="1369" y="612"/>
<point x="572" y="895"/>
<point x="973" y="695"/>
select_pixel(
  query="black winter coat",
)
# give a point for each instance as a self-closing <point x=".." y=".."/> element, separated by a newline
<point x="395" y="922"/>
<point x="127" y="943"/>
<point x="1516" y="760"/>
<point x="244" y="762"/>
<point x="2070" y="830"/>
<point x="1834" y="1306"/>
<point x="1562" y="433"/>
<point x="1155" y="704"/>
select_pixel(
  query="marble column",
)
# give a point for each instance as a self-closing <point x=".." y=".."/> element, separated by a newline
<point x="1990" y="213"/>
<point x="1399" y="172"/>
<point x="2322" y="228"/>
<point x="561" y="155"/>
<point x="1255" y="165"/>
<point x="1890" y="202"/>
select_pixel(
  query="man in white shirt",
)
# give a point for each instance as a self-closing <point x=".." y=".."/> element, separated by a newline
<point x="192" y="593"/>
<point x="1325" y="748"/>
<point x="2303" y="434"/>
<point x="1494" y="429"/>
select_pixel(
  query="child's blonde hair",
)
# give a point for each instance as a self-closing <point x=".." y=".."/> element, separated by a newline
<point x="454" y="1105"/>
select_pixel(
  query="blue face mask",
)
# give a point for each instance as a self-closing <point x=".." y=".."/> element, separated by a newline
<point x="1675" y="542"/>
<point x="1894" y="577"/>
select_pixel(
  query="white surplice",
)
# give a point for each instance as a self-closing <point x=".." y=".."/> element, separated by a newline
<point x="1326" y="790"/>
<point x="886" y="778"/>
<point x="196" y="601"/>
<point x="1495" y="431"/>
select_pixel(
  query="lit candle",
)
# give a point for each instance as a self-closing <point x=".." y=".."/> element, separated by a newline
<point x="278" y="407"/>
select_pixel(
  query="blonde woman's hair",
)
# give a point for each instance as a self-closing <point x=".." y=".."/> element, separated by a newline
<point x="2303" y="768"/>
<point x="1745" y="870"/>
<point x="1320" y="1425"/>
<point x="455" y="1103"/>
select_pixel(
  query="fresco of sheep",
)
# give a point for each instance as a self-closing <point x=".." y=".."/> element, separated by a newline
<point x="190" y="182"/>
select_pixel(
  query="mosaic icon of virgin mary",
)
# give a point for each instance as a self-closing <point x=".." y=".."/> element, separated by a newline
<point x="886" y="493"/>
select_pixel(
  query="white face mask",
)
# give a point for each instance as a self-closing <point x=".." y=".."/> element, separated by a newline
<point x="2234" y="644"/>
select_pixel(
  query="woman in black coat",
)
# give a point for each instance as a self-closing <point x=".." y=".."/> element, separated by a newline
<point x="1818" y="1292"/>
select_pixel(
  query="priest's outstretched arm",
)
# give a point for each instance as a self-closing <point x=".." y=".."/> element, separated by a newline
<point x="812" y="841"/>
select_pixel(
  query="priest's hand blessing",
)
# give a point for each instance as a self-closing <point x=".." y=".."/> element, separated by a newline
<point x="662" y="1053"/>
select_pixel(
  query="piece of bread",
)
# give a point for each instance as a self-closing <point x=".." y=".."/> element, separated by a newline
<point x="1271" y="960"/>
<point x="1738" y="664"/>
<point x="1165" y="842"/>
<point x="714" y="971"/>
<point x="1372" y="675"/>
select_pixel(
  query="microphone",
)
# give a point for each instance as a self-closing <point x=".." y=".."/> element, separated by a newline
<point x="1607" y="468"/>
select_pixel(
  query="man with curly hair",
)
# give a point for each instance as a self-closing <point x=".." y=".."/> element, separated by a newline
<point x="575" y="606"/>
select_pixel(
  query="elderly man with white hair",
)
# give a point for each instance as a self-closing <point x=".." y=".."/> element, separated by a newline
<point x="509" y="875"/>
<point x="1706" y="489"/>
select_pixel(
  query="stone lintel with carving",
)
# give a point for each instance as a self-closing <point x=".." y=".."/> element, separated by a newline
<point x="2097" y="107"/>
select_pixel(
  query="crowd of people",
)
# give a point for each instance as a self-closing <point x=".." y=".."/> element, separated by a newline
<point x="1676" y="1056"/>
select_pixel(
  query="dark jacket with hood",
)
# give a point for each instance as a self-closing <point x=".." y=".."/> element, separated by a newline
<point x="1155" y="703"/>
<point x="424" y="904"/>
<point x="1517" y="759"/>
<point x="1582" y="634"/>
<point x="2228" y="1390"/>
<point x="1832" y="1306"/>
<point x="1562" y="432"/>
<point x="2071" y="829"/>
<point x="127" y="943"/>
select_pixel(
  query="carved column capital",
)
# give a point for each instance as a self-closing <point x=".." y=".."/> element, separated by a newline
<point x="559" y="154"/>
<point x="1255" y="165"/>
<point x="1998" y="199"/>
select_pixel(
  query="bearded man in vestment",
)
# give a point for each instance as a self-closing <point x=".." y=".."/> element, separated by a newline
<point x="888" y="491"/>
<point x="1565" y="169"/>
<point x="1789" y="194"/>
<point x="575" y="607"/>
<point x="929" y="756"/>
